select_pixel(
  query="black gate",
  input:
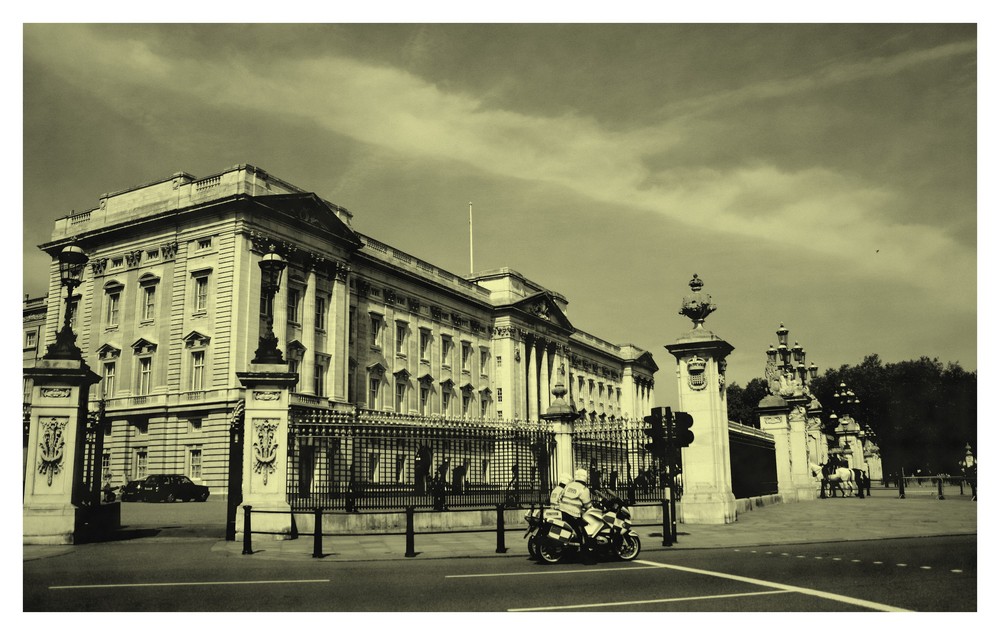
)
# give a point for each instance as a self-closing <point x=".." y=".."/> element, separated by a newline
<point x="614" y="454"/>
<point x="234" y="494"/>
<point x="370" y="460"/>
<point x="752" y="462"/>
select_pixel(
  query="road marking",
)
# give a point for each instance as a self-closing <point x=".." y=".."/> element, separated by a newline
<point x="777" y="585"/>
<point x="573" y="607"/>
<point x="901" y="564"/>
<point x="855" y="561"/>
<point x="817" y="557"/>
<point x="925" y="567"/>
<point x="558" y="572"/>
<point x="956" y="570"/>
<point x="152" y="584"/>
<point x="836" y="558"/>
<point x="877" y="562"/>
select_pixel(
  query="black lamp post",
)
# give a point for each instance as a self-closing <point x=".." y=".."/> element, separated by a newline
<point x="271" y="266"/>
<point x="71" y="262"/>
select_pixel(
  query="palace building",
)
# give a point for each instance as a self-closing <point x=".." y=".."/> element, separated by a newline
<point x="171" y="309"/>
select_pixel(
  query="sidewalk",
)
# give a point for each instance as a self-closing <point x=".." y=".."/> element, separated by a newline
<point x="878" y="517"/>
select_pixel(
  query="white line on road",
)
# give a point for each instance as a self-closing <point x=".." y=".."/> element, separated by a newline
<point x="151" y="584"/>
<point x="776" y="585"/>
<point x="573" y="607"/>
<point x="558" y="572"/>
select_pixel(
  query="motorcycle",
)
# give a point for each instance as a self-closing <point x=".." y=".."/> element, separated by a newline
<point x="608" y="524"/>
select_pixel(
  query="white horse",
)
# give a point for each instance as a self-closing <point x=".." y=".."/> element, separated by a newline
<point x="832" y="476"/>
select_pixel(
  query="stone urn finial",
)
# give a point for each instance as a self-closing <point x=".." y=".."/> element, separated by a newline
<point x="697" y="305"/>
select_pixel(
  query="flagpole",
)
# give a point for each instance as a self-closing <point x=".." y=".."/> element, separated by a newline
<point x="472" y="269"/>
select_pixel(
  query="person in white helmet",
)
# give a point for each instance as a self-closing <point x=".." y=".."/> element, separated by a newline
<point x="574" y="501"/>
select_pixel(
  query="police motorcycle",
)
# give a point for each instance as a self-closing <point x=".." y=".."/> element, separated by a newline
<point x="608" y="523"/>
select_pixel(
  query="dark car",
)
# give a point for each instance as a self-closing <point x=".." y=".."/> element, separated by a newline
<point x="171" y="487"/>
<point x="130" y="491"/>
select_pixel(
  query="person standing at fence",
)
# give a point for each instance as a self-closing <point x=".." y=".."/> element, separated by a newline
<point x="574" y="501"/>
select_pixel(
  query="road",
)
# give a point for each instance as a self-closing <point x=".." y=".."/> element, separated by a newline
<point x="187" y="574"/>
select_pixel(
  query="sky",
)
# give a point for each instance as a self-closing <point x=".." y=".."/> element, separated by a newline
<point x="822" y="176"/>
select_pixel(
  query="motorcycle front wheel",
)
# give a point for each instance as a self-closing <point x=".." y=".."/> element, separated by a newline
<point x="532" y="547"/>
<point x="629" y="548"/>
<point x="549" y="551"/>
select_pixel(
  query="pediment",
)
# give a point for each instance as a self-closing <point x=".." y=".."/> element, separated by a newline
<point x="194" y="338"/>
<point x="468" y="387"/>
<point x="142" y="345"/>
<point x="447" y="384"/>
<point x="376" y="368"/>
<point x="402" y="374"/>
<point x="542" y="307"/>
<point x="313" y="212"/>
<point x="425" y="378"/>
<point x="646" y="360"/>
<point x="296" y="349"/>
<point x="108" y="351"/>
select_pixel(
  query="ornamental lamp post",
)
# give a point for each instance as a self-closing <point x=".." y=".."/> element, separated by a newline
<point x="71" y="262"/>
<point x="271" y="266"/>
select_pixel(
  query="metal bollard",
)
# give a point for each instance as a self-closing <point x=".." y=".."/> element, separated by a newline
<point x="673" y="517"/>
<point x="668" y="536"/>
<point x="410" y="553"/>
<point x="501" y="547"/>
<point x="247" y="547"/>
<point x="318" y="533"/>
<point x="940" y="490"/>
<point x="902" y="487"/>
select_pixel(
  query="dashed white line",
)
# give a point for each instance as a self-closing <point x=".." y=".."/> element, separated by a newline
<point x="925" y="567"/>
<point x="900" y="564"/>
<point x="855" y="561"/>
<point x="550" y="572"/>
<point x="956" y="570"/>
<point x="836" y="558"/>
<point x="877" y="562"/>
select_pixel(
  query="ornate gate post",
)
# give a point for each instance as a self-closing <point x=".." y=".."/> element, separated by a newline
<point x="265" y="448"/>
<point x="53" y="479"/>
<point x="774" y="419"/>
<point x="701" y="362"/>
<point x="561" y="414"/>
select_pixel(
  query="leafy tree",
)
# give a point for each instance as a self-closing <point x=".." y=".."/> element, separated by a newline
<point x="742" y="402"/>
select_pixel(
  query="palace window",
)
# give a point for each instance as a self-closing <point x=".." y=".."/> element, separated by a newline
<point x="319" y="380"/>
<point x="484" y="358"/>
<point x="401" y="338"/>
<point x="424" y="396"/>
<point x="425" y="344"/>
<point x="204" y="243"/>
<point x="446" y="346"/>
<point x="401" y="397"/>
<point x="320" y="313"/>
<point x="201" y="292"/>
<point x="31" y="339"/>
<point x="110" y="370"/>
<point x="445" y="402"/>
<point x="145" y="376"/>
<point x="466" y="356"/>
<point x="499" y="395"/>
<point x="373" y="386"/>
<point x="376" y="330"/>
<point x="106" y="466"/>
<point x="484" y="405"/>
<point x="194" y="463"/>
<point x="466" y="402"/>
<point x="294" y="304"/>
<point x="140" y="461"/>
<point x="112" y="305"/>
<point x="148" y="302"/>
<point x="197" y="370"/>
<point x="293" y="367"/>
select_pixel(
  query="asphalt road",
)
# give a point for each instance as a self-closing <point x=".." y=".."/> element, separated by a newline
<point x="186" y="574"/>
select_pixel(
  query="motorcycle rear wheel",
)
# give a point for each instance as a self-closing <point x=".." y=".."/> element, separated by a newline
<point x="629" y="548"/>
<point x="550" y="551"/>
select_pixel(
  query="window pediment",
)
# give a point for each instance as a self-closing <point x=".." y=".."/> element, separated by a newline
<point x="295" y="350"/>
<point x="425" y="379"/>
<point x="148" y="279"/>
<point x="402" y="374"/>
<point x="195" y="339"/>
<point x="376" y="369"/>
<point x="109" y="351"/>
<point x="142" y="345"/>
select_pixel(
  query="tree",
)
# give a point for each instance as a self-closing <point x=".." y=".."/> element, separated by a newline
<point x="742" y="402"/>
<point x="922" y="412"/>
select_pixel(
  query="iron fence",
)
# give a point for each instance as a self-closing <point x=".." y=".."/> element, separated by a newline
<point x="615" y="456"/>
<point x="366" y="461"/>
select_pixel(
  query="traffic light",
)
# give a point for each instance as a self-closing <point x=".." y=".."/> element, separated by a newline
<point x="657" y="445"/>
<point x="683" y="436"/>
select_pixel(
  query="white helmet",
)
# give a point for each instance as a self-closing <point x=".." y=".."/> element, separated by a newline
<point x="580" y="475"/>
<point x="564" y="478"/>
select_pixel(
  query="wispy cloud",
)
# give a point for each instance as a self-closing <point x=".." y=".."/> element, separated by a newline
<point x="816" y="208"/>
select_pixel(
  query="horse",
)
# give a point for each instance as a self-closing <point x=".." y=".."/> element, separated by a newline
<point x="832" y="475"/>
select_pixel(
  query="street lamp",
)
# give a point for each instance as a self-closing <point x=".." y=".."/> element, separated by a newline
<point x="271" y="266"/>
<point x="71" y="262"/>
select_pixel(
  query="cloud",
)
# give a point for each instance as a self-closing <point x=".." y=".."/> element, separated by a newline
<point x="810" y="210"/>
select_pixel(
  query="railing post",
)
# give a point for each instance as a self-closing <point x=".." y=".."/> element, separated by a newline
<point x="410" y="553"/>
<point x="940" y="489"/>
<point x="318" y="533"/>
<point x="501" y="547"/>
<point x="902" y="487"/>
<point x="247" y="546"/>
<point x="668" y="536"/>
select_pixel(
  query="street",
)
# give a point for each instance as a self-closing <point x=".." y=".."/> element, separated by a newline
<point x="187" y="574"/>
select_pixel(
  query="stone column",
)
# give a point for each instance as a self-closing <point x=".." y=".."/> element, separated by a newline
<point x="53" y="510"/>
<point x="338" y="344"/>
<point x="803" y="482"/>
<point x="308" y="370"/>
<point x="708" y="490"/>
<point x="280" y="325"/>
<point x="265" y="455"/>
<point x="544" y="387"/>
<point x="531" y="369"/>
<point x="562" y="415"/>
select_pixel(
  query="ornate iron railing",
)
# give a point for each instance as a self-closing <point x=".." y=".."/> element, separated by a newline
<point x="367" y="461"/>
<point x="615" y="456"/>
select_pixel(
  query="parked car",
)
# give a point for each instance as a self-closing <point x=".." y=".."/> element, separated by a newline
<point x="171" y="487"/>
<point x="130" y="491"/>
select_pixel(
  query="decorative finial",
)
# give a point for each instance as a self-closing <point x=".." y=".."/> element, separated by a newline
<point x="697" y="306"/>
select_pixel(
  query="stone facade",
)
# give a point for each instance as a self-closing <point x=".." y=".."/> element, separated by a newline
<point x="170" y="310"/>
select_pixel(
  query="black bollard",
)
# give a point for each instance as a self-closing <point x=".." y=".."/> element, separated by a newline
<point x="318" y="533"/>
<point x="673" y="517"/>
<point x="940" y="490"/>
<point x="247" y="547"/>
<point x="902" y="487"/>
<point x="668" y="534"/>
<point x="410" y="553"/>
<point x="501" y="547"/>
